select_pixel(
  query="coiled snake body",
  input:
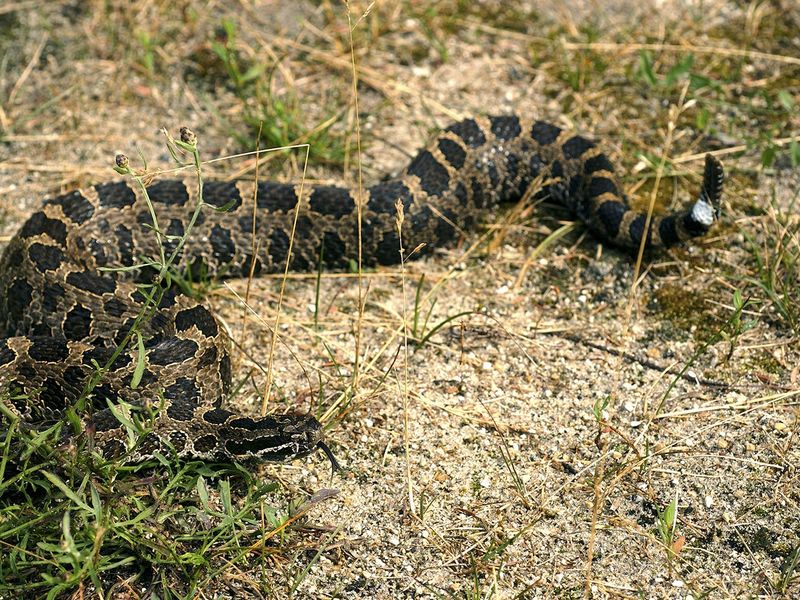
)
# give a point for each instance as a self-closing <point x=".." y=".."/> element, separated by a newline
<point x="62" y="313"/>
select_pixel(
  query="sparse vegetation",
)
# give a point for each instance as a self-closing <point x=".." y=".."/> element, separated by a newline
<point x="533" y="465"/>
<point x="775" y="272"/>
<point x="77" y="520"/>
<point x="666" y="530"/>
<point x="277" y="119"/>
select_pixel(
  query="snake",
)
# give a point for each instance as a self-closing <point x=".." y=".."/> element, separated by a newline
<point x="88" y="329"/>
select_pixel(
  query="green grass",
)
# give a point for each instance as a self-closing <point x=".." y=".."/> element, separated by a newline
<point x="773" y="275"/>
<point x="421" y="332"/>
<point x="790" y="572"/>
<point x="67" y="523"/>
<point x="71" y="521"/>
<point x="666" y="530"/>
<point x="277" y="120"/>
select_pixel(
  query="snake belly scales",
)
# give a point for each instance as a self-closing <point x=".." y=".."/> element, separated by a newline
<point x="62" y="313"/>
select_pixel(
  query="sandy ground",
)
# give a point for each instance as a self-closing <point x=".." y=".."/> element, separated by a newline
<point x="475" y="464"/>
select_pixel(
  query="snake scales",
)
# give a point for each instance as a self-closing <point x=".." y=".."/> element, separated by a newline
<point x="61" y="313"/>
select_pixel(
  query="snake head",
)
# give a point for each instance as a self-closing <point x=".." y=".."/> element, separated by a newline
<point x="274" y="438"/>
<point x="307" y="434"/>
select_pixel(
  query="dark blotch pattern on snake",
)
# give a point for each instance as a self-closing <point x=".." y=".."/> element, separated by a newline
<point x="60" y="312"/>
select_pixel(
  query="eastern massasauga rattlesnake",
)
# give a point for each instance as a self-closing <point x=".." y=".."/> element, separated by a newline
<point x="61" y="313"/>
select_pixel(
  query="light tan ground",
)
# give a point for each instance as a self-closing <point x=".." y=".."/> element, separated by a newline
<point x="475" y="465"/>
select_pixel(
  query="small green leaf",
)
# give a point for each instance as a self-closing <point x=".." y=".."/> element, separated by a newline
<point x="768" y="156"/>
<point x="225" y="207"/>
<point x="225" y="496"/>
<point x="738" y="302"/>
<point x="252" y="73"/>
<point x="679" y="70"/>
<point x="141" y="354"/>
<point x="646" y="68"/>
<point x="184" y="146"/>
<point x="67" y="491"/>
<point x="97" y="503"/>
<point x="202" y="491"/>
<point x="122" y="413"/>
<point x="220" y="51"/>
<point x="599" y="406"/>
<point x="68" y="542"/>
<point x="442" y="323"/>
<point x="697" y="82"/>
<point x="670" y="513"/>
<point x="794" y="153"/>
<point x="786" y="100"/>
<point x="702" y="118"/>
<point x="192" y="558"/>
<point x="230" y="29"/>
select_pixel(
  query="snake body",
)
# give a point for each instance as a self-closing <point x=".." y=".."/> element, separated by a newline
<point x="70" y="293"/>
